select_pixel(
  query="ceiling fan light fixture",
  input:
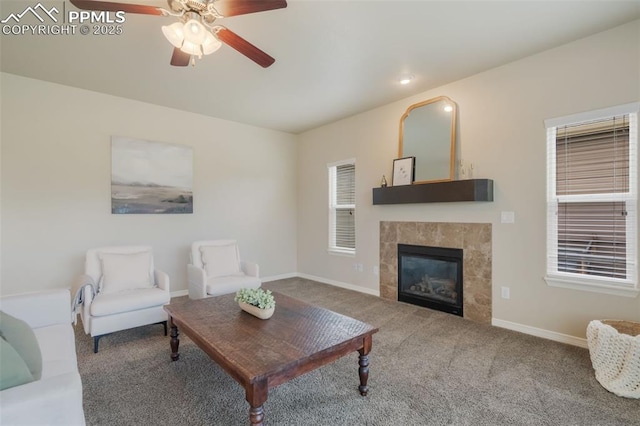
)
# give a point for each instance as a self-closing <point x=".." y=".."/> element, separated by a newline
<point x="194" y="32"/>
<point x="191" y="37"/>
<point x="211" y="44"/>
<point x="192" y="48"/>
<point x="174" y="33"/>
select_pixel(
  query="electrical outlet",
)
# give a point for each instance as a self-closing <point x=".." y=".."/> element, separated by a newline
<point x="505" y="292"/>
<point x="360" y="267"/>
<point x="376" y="270"/>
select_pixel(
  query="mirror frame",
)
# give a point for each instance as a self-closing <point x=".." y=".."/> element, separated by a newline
<point x="452" y="154"/>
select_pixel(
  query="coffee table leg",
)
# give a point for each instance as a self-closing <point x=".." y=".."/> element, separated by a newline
<point x="174" y="342"/>
<point x="256" y="416"/>
<point x="256" y="396"/>
<point x="363" y="361"/>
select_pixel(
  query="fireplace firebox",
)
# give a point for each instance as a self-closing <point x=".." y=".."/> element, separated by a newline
<point x="431" y="277"/>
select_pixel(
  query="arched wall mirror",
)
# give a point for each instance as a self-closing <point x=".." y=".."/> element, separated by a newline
<point x="428" y="133"/>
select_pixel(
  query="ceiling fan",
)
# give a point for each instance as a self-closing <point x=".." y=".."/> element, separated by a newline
<point x="195" y="33"/>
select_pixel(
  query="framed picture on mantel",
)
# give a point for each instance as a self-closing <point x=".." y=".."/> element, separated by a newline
<point x="403" y="171"/>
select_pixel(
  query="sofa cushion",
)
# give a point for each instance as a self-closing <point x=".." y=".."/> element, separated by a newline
<point x="21" y="338"/>
<point x="125" y="271"/>
<point x="129" y="300"/>
<point x="58" y="347"/>
<point x="13" y="370"/>
<point x="221" y="260"/>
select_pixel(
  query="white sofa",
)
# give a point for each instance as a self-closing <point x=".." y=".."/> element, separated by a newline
<point x="56" y="398"/>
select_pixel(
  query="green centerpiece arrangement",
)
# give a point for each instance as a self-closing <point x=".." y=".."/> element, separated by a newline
<point x="256" y="301"/>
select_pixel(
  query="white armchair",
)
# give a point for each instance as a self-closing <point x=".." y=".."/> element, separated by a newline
<point x="216" y="269"/>
<point x="122" y="290"/>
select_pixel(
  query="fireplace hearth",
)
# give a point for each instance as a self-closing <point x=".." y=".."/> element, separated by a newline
<point x="431" y="277"/>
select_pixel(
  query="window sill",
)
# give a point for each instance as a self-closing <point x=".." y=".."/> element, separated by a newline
<point x="593" y="286"/>
<point x="342" y="252"/>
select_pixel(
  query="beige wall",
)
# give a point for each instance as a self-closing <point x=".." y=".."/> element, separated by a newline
<point x="56" y="171"/>
<point x="501" y="131"/>
<point x="55" y="186"/>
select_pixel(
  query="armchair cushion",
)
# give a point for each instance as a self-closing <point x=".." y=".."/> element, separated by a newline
<point x="125" y="271"/>
<point x="221" y="260"/>
<point x="217" y="286"/>
<point x="19" y="335"/>
<point x="127" y="301"/>
<point x="13" y="369"/>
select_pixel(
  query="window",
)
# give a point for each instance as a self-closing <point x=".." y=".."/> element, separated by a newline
<point x="592" y="201"/>
<point x="342" y="207"/>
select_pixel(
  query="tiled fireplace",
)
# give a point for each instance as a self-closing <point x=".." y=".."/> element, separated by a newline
<point x="474" y="239"/>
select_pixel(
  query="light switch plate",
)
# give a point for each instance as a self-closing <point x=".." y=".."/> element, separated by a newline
<point x="505" y="292"/>
<point x="507" y="217"/>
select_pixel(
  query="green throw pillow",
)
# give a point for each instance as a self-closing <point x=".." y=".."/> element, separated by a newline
<point x="22" y="339"/>
<point x="13" y="369"/>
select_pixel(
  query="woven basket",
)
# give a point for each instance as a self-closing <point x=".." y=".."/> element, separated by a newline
<point x="614" y="347"/>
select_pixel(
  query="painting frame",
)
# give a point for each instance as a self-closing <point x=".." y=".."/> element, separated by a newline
<point x="404" y="170"/>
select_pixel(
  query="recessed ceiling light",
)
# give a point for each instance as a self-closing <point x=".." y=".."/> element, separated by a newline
<point x="405" y="79"/>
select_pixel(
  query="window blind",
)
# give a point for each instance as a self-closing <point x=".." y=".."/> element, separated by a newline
<point x="592" y="199"/>
<point x="593" y="158"/>
<point x="342" y="207"/>
<point x="345" y="206"/>
<point x="346" y="184"/>
<point x="592" y="239"/>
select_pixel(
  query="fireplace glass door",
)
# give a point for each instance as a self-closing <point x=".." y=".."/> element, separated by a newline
<point x="431" y="277"/>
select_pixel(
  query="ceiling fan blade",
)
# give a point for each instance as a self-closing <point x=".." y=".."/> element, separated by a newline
<point x="114" y="7"/>
<point x="243" y="46"/>
<point x="241" y="7"/>
<point x="179" y="58"/>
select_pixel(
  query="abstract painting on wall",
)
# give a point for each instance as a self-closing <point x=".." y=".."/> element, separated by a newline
<point x="150" y="177"/>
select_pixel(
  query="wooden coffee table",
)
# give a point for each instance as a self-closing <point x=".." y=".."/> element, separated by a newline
<point x="260" y="354"/>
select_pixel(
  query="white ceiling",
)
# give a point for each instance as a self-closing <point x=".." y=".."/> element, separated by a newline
<point x="333" y="58"/>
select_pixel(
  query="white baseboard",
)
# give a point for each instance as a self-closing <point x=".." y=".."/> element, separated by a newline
<point x="279" y="277"/>
<point x="539" y="332"/>
<point x="179" y="293"/>
<point x="322" y="280"/>
<point x="340" y="284"/>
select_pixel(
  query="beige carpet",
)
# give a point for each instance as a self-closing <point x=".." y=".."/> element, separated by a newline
<point x="427" y="368"/>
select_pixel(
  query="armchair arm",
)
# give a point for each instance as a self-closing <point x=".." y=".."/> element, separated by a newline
<point x="250" y="268"/>
<point x="82" y="292"/>
<point x="39" y="309"/>
<point x="162" y="279"/>
<point x="85" y="313"/>
<point x="197" y="280"/>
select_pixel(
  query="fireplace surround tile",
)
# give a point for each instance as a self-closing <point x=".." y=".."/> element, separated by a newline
<point x="473" y="238"/>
